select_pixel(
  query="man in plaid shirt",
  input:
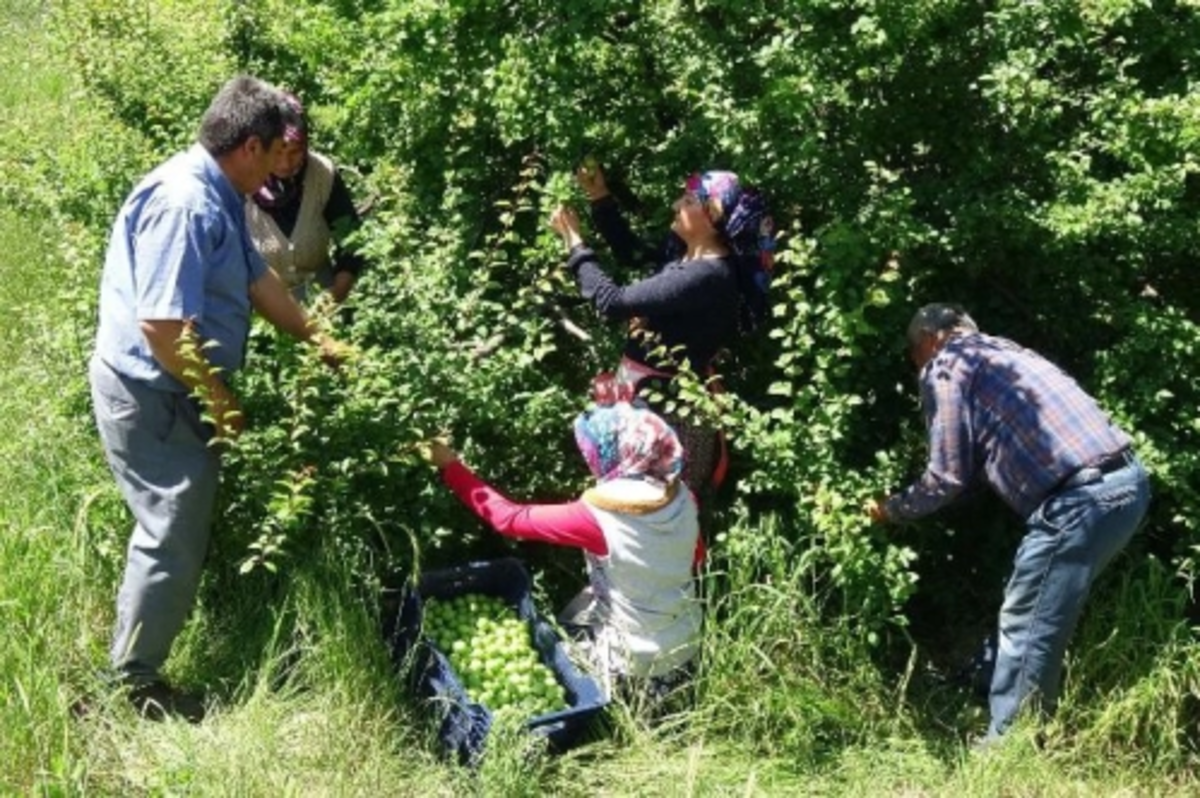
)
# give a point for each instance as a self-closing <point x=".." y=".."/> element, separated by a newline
<point x="1053" y="456"/>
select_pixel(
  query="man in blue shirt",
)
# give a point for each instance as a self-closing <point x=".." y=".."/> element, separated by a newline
<point x="181" y="277"/>
<point x="995" y="408"/>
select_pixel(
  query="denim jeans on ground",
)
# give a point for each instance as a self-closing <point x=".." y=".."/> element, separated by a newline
<point x="156" y="446"/>
<point x="1071" y="537"/>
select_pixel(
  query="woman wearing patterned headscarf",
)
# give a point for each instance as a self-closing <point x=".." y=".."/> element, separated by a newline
<point x="639" y="533"/>
<point x="300" y="218"/>
<point x="708" y="287"/>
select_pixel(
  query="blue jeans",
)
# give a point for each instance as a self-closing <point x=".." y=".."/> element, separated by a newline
<point x="157" y="448"/>
<point x="1071" y="537"/>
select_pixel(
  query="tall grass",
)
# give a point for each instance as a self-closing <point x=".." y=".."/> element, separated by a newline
<point x="46" y="462"/>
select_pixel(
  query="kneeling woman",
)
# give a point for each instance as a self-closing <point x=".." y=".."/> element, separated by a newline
<point x="640" y="536"/>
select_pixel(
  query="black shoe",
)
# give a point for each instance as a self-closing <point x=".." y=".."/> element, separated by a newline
<point x="158" y="701"/>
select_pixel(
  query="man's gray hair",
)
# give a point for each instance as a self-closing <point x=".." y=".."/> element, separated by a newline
<point x="244" y="107"/>
<point x="939" y="317"/>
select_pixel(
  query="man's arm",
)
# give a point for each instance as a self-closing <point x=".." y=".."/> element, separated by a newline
<point x="176" y="347"/>
<point x="951" y="465"/>
<point x="275" y="303"/>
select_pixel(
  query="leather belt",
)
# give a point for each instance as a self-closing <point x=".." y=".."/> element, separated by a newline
<point x="1096" y="471"/>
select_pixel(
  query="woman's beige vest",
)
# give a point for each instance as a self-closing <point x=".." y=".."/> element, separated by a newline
<point x="296" y="259"/>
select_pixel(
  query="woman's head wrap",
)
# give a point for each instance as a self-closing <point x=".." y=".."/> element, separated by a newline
<point x="620" y="439"/>
<point x="295" y="123"/>
<point x="739" y="213"/>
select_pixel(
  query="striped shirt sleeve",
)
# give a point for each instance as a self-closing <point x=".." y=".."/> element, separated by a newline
<point x="951" y="467"/>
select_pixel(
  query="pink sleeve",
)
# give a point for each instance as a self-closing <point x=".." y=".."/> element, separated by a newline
<point x="570" y="524"/>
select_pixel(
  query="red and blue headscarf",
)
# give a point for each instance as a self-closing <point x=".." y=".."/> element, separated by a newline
<point x="620" y="439"/>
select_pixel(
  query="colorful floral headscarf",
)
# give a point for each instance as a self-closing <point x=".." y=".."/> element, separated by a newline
<point x="717" y="192"/>
<point x="624" y="440"/>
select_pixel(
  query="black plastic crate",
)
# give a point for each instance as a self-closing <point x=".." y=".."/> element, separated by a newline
<point x="463" y="724"/>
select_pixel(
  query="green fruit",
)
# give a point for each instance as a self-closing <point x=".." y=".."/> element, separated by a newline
<point x="491" y="649"/>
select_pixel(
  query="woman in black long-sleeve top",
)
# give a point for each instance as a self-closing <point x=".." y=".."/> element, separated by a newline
<point x="707" y="284"/>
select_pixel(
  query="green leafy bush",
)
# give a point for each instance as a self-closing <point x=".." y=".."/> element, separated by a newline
<point x="1037" y="162"/>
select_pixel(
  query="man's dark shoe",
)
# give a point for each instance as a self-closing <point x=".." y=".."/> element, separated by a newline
<point x="158" y="701"/>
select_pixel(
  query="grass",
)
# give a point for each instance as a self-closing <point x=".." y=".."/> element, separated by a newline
<point x="306" y="704"/>
<point x="47" y="604"/>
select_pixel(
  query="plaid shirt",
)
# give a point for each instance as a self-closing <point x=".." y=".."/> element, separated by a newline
<point x="991" y="404"/>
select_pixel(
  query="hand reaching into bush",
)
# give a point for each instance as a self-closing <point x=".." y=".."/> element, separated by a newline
<point x="437" y="452"/>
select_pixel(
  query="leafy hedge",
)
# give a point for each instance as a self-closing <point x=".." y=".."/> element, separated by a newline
<point x="1037" y="161"/>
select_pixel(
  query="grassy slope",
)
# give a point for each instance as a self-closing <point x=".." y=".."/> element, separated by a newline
<point x="340" y="736"/>
<point x="42" y="606"/>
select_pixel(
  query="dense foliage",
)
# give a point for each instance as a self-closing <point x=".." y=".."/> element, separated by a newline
<point x="1038" y="162"/>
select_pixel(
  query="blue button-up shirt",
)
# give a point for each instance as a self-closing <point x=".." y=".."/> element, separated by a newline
<point x="991" y="405"/>
<point x="179" y="250"/>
